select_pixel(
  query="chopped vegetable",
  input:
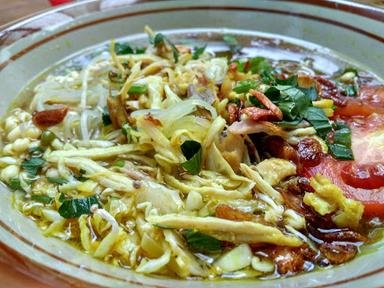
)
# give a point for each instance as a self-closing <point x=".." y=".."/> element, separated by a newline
<point x="119" y="163"/>
<point x="138" y="89"/>
<point x="311" y="92"/>
<point x="161" y="39"/>
<point x="106" y="117"/>
<point x="47" y="137"/>
<point x="192" y="151"/>
<point x="245" y="85"/>
<point x="74" y="208"/>
<point x="126" y="48"/>
<point x="259" y="65"/>
<point x="292" y="101"/>
<point x="57" y="180"/>
<point x="200" y="242"/>
<point x="342" y="134"/>
<point x="130" y="133"/>
<point x="232" y="43"/>
<point x="42" y="199"/>
<point x="15" y="184"/>
<point x="81" y="177"/>
<point x="340" y="151"/>
<point x="341" y="142"/>
<point x="240" y="64"/>
<point x="318" y="120"/>
<point x="198" y="51"/>
<point x="33" y="165"/>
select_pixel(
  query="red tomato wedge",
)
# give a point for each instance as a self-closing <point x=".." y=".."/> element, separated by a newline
<point x="373" y="199"/>
<point x="363" y="178"/>
<point x="368" y="176"/>
<point x="370" y="100"/>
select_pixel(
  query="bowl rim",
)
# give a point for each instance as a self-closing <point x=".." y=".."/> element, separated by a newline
<point x="347" y="6"/>
<point x="352" y="6"/>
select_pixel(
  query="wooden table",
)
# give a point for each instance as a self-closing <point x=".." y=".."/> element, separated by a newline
<point x="9" y="11"/>
<point x="13" y="9"/>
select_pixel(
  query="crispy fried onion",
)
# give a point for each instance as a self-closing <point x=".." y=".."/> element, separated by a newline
<point x="329" y="90"/>
<point x="338" y="254"/>
<point x="291" y="260"/>
<point x="48" y="118"/>
<point x="234" y="113"/>
<point x="337" y="245"/>
<point x="271" y="113"/>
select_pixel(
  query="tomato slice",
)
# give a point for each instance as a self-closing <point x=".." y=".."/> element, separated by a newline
<point x="373" y="199"/>
<point x="368" y="139"/>
<point x="356" y="107"/>
<point x="370" y="100"/>
<point x="363" y="176"/>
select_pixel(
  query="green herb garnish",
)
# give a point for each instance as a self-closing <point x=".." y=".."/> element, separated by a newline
<point x="291" y="81"/>
<point x="130" y="133"/>
<point x="62" y="197"/>
<point x="198" y="51"/>
<point x="240" y="64"/>
<point x="259" y="65"/>
<point x="200" y="242"/>
<point x="33" y="165"/>
<point x="42" y="199"/>
<point x="318" y="120"/>
<point x="192" y="151"/>
<point x="57" y="180"/>
<point x="245" y="85"/>
<point x="348" y="90"/>
<point x="232" y="43"/>
<point x="119" y="163"/>
<point x="350" y="69"/>
<point x="340" y="151"/>
<point x="289" y="124"/>
<point x="74" y="208"/>
<point x="81" y="176"/>
<point x="15" y="184"/>
<point x="106" y="117"/>
<point x="291" y="100"/>
<point x="160" y="39"/>
<point x="341" y="145"/>
<point x="138" y="89"/>
<point x="125" y="48"/>
<point x="47" y="137"/>
<point x="342" y="134"/>
<point x="311" y="92"/>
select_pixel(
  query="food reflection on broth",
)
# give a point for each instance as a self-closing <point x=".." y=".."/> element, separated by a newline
<point x="189" y="162"/>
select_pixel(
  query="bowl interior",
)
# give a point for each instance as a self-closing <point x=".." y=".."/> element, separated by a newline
<point x="330" y="35"/>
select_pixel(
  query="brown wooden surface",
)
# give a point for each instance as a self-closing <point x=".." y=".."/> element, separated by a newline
<point x="11" y="10"/>
<point x="14" y="9"/>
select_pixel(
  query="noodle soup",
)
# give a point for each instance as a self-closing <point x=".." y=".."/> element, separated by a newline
<point x="187" y="160"/>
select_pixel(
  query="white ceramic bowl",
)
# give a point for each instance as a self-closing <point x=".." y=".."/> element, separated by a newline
<point x="32" y="45"/>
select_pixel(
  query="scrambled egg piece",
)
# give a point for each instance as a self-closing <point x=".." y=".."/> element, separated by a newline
<point x="274" y="170"/>
<point x="328" y="198"/>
